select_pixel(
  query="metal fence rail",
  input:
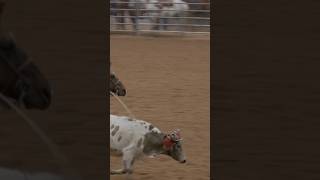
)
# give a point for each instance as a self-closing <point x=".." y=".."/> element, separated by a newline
<point x="171" y="16"/>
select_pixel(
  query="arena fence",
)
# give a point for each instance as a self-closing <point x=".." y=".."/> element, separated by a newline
<point x="160" y="16"/>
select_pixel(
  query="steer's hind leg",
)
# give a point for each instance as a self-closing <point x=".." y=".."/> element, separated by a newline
<point x="128" y="160"/>
<point x="128" y="156"/>
<point x="128" y="168"/>
<point x="118" y="171"/>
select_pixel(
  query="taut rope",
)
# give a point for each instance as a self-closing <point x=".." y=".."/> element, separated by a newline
<point x="123" y="105"/>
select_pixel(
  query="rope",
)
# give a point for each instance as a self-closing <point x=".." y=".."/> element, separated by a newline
<point x="53" y="148"/>
<point x="123" y="105"/>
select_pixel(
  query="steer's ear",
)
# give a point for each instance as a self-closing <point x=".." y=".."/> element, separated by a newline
<point x="175" y="135"/>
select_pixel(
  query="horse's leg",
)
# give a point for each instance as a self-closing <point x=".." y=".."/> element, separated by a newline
<point x="164" y="23"/>
<point x="157" y="22"/>
<point x="180" y="21"/>
<point x="117" y="20"/>
<point x="189" y="21"/>
<point x="122" y="20"/>
<point x="183" y="21"/>
<point x="161" y="22"/>
<point x="133" y="19"/>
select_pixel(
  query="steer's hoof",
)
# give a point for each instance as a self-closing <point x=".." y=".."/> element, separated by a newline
<point x="119" y="171"/>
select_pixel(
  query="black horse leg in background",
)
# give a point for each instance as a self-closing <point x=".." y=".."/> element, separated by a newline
<point x="133" y="19"/>
<point x="121" y="20"/>
<point x="156" y="26"/>
<point x="164" y="23"/>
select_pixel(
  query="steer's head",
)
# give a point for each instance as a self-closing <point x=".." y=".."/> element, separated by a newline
<point x="172" y="146"/>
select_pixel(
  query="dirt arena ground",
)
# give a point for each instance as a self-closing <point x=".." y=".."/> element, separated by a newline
<point x="167" y="80"/>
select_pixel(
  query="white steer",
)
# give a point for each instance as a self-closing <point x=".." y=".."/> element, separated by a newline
<point x="134" y="138"/>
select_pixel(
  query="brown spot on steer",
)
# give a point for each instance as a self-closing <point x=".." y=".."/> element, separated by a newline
<point x="119" y="138"/>
<point x="116" y="129"/>
<point x="150" y="127"/>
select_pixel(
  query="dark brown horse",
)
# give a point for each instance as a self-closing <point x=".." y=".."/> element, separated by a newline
<point x="116" y="86"/>
<point x="20" y="79"/>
